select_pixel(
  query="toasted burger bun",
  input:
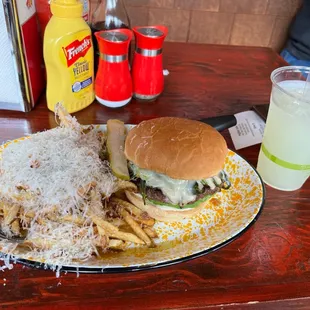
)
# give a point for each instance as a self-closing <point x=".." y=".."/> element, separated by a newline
<point x="160" y="214"/>
<point x="179" y="148"/>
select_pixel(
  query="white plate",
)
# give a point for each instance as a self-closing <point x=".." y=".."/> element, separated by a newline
<point x="225" y="217"/>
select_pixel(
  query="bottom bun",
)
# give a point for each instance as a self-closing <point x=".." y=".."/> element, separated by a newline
<point x="160" y="214"/>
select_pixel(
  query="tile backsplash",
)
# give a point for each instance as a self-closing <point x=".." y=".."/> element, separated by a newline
<point x="235" y="22"/>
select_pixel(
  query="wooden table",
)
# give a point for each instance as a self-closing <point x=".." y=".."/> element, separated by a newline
<point x="268" y="267"/>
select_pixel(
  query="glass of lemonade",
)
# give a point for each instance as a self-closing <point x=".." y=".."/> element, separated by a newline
<point x="284" y="158"/>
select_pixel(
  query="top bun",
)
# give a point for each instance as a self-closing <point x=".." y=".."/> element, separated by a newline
<point x="179" y="148"/>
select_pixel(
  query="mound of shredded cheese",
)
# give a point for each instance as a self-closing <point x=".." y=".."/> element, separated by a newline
<point x="43" y="175"/>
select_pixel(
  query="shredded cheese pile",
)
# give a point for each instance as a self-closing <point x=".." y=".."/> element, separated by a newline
<point x="43" y="175"/>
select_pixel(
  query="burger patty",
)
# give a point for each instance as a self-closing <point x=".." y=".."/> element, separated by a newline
<point x="156" y="194"/>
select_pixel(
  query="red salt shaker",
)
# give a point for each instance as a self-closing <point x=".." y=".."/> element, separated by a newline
<point x="113" y="85"/>
<point x="147" y="67"/>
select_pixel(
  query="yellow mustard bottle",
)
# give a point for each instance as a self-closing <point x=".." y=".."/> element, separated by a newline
<point x="69" y="57"/>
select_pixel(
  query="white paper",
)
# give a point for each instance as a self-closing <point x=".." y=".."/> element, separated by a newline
<point x="166" y="72"/>
<point x="10" y="92"/>
<point x="25" y="10"/>
<point x="248" y="131"/>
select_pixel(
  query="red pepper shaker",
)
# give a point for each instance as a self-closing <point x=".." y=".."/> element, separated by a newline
<point x="147" y="67"/>
<point x="113" y="85"/>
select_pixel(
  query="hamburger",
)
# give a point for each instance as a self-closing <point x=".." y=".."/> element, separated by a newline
<point x="177" y="165"/>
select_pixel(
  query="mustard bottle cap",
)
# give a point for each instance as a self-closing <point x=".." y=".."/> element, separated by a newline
<point x="67" y="8"/>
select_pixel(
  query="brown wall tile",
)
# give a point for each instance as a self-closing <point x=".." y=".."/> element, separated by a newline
<point x="161" y="3"/>
<point x="237" y="22"/>
<point x="252" y="30"/>
<point x="93" y="6"/>
<point x="279" y="33"/>
<point x="138" y="16"/>
<point x="93" y="2"/>
<point x="177" y="22"/>
<point x="283" y="7"/>
<point x="100" y="10"/>
<point x="206" y="5"/>
<point x="209" y="27"/>
<point x="244" y="6"/>
<point x="151" y="3"/>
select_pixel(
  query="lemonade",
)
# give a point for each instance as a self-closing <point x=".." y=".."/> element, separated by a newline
<point x="284" y="158"/>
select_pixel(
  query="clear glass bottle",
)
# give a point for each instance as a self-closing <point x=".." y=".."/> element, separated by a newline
<point x="108" y="15"/>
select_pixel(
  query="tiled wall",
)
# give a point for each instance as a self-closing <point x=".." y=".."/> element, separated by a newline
<point x="236" y="22"/>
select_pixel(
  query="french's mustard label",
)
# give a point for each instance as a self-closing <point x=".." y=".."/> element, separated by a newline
<point x="76" y="56"/>
<point x="77" y="49"/>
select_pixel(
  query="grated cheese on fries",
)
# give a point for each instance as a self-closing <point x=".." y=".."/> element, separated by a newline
<point x="54" y="191"/>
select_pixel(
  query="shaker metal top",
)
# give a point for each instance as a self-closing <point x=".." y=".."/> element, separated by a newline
<point x="151" y="32"/>
<point x="114" y="36"/>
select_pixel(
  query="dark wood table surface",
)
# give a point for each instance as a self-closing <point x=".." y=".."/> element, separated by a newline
<point x="268" y="267"/>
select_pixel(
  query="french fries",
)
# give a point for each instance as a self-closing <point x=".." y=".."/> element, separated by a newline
<point x="133" y="216"/>
<point x="115" y="244"/>
<point x="127" y="205"/>
<point x="65" y="118"/>
<point x="9" y="213"/>
<point x="114" y="222"/>
<point x="118" y="222"/>
<point x="114" y="232"/>
<point x="145" y="219"/>
<point x="136" y="228"/>
<point x="67" y="218"/>
<point x="132" y="225"/>
<point x="126" y="185"/>
<point x="84" y="191"/>
<point x="15" y="227"/>
<point x="139" y="215"/>
<point x="38" y="243"/>
<point x="150" y="232"/>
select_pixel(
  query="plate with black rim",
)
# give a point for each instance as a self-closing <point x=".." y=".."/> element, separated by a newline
<point x="225" y="217"/>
